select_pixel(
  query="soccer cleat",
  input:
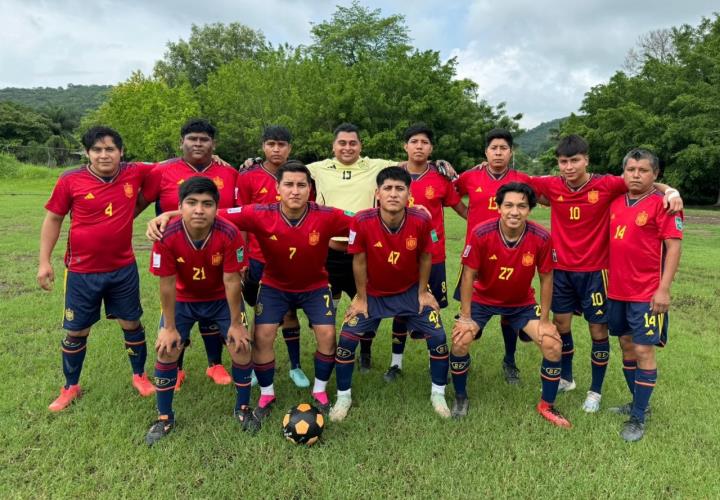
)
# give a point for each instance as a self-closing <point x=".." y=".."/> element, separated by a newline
<point x="322" y="402"/>
<point x="66" y="397"/>
<point x="392" y="374"/>
<point x="248" y="420"/>
<point x="626" y="409"/>
<point x="566" y="385"/>
<point x="180" y="380"/>
<point x="549" y="413"/>
<point x="460" y="407"/>
<point x="341" y="408"/>
<point x="218" y="374"/>
<point x="592" y="402"/>
<point x="439" y="404"/>
<point x="512" y="373"/>
<point x="633" y="430"/>
<point x="264" y="407"/>
<point x="299" y="378"/>
<point x="253" y="379"/>
<point x="159" y="430"/>
<point x="143" y="385"/>
<point x="364" y="362"/>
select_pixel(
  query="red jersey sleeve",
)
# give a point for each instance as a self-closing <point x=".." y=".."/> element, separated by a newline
<point x="151" y="185"/>
<point x="471" y="253"/>
<point x="342" y="222"/>
<point x="60" y="201"/>
<point x="459" y="185"/>
<point x="671" y="226"/>
<point x="615" y="185"/>
<point x="234" y="254"/>
<point x="544" y="261"/>
<point x="243" y="190"/>
<point x="540" y="185"/>
<point x="162" y="260"/>
<point x="452" y="197"/>
<point x="356" y="240"/>
<point x="241" y="217"/>
<point x="428" y="237"/>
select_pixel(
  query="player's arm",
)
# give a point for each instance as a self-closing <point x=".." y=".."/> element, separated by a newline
<point x="49" y="235"/>
<point x="156" y="225"/>
<point x="425" y="298"/>
<point x="660" y="301"/>
<point x="464" y="324"/>
<point x="672" y="201"/>
<point x="461" y="209"/>
<point x="238" y="335"/>
<point x="359" y="302"/>
<point x="168" y="339"/>
<point x="140" y="204"/>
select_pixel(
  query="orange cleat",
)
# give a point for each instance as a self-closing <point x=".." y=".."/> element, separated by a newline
<point x="549" y="413"/>
<point x="66" y="397"/>
<point x="180" y="380"/>
<point x="143" y="385"/>
<point x="219" y="374"/>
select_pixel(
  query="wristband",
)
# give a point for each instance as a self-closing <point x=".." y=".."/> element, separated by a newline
<point x="672" y="194"/>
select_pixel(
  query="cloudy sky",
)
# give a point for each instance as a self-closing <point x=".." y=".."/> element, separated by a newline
<point x="539" y="57"/>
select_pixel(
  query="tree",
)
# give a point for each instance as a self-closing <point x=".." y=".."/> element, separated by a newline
<point x="656" y="44"/>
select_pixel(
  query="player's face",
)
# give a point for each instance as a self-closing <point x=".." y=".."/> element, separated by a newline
<point x="573" y="168"/>
<point x="104" y="156"/>
<point x="198" y="211"/>
<point x="639" y="176"/>
<point x="392" y="196"/>
<point x="197" y="147"/>
<point x="418" y="148"/>
<point x="347" y="147"/>
<point x="294" y="190"/>
<point x="276" y="152"/>
<point x="498" y="154"/>
<point x="514" y="210"/>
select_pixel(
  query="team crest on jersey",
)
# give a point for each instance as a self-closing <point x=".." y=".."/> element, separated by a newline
<point x="128" y="189"/>
<point x="217" y="259"/>
<point x="258" y="309"/>
<point x="314" y="238"/>
<point x="353" y="321"/>
<point x="69" y="314"/>
<point x="411" y="243"/>
<point x="277" y="197"/>
<point x="594" y="196"/>
<point x="219" y="182"/>
<point x="429" y="192"/>
<point x="641" y="218"/>
<point x="528" y="259"/>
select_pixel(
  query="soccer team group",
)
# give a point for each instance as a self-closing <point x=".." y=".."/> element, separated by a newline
<point x="375" y="231"/>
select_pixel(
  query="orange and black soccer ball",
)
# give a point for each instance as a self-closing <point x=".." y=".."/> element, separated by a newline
<point x="303" y="424"/>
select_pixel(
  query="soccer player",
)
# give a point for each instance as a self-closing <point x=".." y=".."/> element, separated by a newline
<point x="258" y="184"/>
<point x="198" y="261"/>
<point x="580" y="216"/>
<point x="433" y="191"/>
<point x="499" y="263"/>
<point x="392" y="259"/>
<point x="197" y="143"/>
<point x="480" y="184"/>
<point x="644" y="256"/>
<point x="100" y="263"/>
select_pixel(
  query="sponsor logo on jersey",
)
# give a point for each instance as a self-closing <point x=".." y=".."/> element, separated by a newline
<point x="351" y="237"/>
<point x="429" y="192"/>
<point x="528" y="259"/>
<point x="89" y="196"/>
<point x="378" y="244"/>
<point x="180" y="181"/>
<point x="156" y="260"/>
<point x="128" y="189"/>
<point x="273" y="237"/>
<point x="478" y="190"/>
<point x="560" y="198"/>
<point x="314" y="238"/>
<point x="216" y="259"/>
<point x="181" y="260"/>
<point x="219" y="182"/>
<point x="240" y="254"/>
<point x="411" y="243"/>
<point x="594" y="196"/>
<point x="493" y="257"/>
<point x="678" y="223"/>
<point x="434" y="236"/>
<point x="263" y="191"/>
<point x="641" y="218"/>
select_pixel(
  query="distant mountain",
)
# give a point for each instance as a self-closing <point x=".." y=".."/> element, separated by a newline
<point x="78" y="99"/>
<point x="537" y="140"/>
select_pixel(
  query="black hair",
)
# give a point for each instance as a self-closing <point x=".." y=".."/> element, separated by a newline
<point x="498" y="133"/>
<point x="198" y="125"/>
<point x="99" y="132"/>
<point x="516" y="187"/>
<point x="394" y="173"/>
<point x="572" y="145"/>
<point x="198" y="185"/>
<point x="276" y="133"/>
<point x="416" y="129"/>
<point x="346" y="127"/>
<point x="293" y="166"/>
<point x="638" y="154"/>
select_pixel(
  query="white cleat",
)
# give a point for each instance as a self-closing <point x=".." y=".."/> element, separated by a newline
<point x="592" y="402"/>
<point x="341" y="408"/>
<point x="566" y="385"/>
<point x="440" y="405"/>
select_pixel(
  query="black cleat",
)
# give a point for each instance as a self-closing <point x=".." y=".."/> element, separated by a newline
<point x="626" y="409"/>
<point x="248" y="420"/>
<point x="159" y="430"/>
<point x="460" y="407"/>
<point x="392" y="374"/>
<point x="364" y="362"/>
<point x="511" y="372"/>
<point x="633" y="430"/>
<point x="263" y="412"/>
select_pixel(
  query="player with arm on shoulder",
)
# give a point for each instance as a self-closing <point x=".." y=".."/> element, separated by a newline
<point x="100" y="263"/>
<point x="198" y="262"/>
<point x="499" y="263"/>
<point x="645" y="247"/>
<point x="392" y="248"/>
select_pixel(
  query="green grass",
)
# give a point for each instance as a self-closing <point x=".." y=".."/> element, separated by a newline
<point x="391" y="445"/>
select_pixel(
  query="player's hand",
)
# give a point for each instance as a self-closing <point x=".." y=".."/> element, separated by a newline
<point x="547" y="328"/>
<point x="168" y="342"/>
<point x="464" y="330"/>
<point x="220" y="161"/>
<point x="446" y="169"/>
<point x="427" y="299"/>
<point x="238" y="338"/>
<point x="156" y="227"/>
<point x="672" y="201"/>
<point x="660" y="302"/>
<point x="357" y="306"/>
<point x="250" y="162"/>
<point x="46" y="276"/>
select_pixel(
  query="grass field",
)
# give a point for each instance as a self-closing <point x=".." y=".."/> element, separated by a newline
<point x="391" y="445"/>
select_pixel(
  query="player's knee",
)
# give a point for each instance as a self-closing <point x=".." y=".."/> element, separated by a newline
<point x="627" y="346"/>
<point x="460" y="347"/>
<point x="170" y="357"/>
<point x="325" y="338"/>
<point x="598" y="331"/>
<point x="551" y="348"/>
<point x="241" y="358"/>
<point x="79" y="333"/>
<point x="644" y="353"/>
<point x="563" y="322"/>
<point x="129" y="325"/>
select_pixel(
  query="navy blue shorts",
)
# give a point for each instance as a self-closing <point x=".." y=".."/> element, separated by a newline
<point x="636" y="319"/>
<point x="213" y="311"/>
<point x="340" y="272"/>
<point x="581" y="291"/>
<point x="85" y="292"/>
<point x="517" y="317"/>
<point x="273" y="304"/>
<point x="438" y="284"/>
<point x="405" y="306"/>
<point x="251" y="285"/>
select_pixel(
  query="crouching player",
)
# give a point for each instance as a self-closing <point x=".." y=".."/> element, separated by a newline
<point x="499" y="263"/>
<point x="392" y="259"/>
<point x="198" y="262"/>
<point x="644" y="256"/>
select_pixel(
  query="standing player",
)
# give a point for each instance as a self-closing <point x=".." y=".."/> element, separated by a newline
<point x="258" y="184"/>
<point x="433" y="191"/>
<point x="644" y="256"/>
<point x="499" y="264"/>
<point x="480" y="184"/>
<point x="100" y="261"/>
<point x="197" y="142"/>
<point x="392" y="259"/>
<point x="198" y="261"/>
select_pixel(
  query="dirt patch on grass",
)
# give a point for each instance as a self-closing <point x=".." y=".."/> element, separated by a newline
<point x="703" y="219"/>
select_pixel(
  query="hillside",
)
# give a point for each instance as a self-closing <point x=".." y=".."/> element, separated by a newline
<point x="75" y="98"/>
<point x="537" y="140"/>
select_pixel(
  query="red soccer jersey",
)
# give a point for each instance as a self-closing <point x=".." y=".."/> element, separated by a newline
<point x="480" y="186"/>
<point x="579" y="219"/>
<point x="163" y="183"/>
<point x="434" y="191"/>
<point x="198" y="271"/>
<point x="505" y="274"/>
<point x="100" y="237"/>
<point x="637" y="233"/>
<point x="393" y="257"/>
<point x="295" y="254"/>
